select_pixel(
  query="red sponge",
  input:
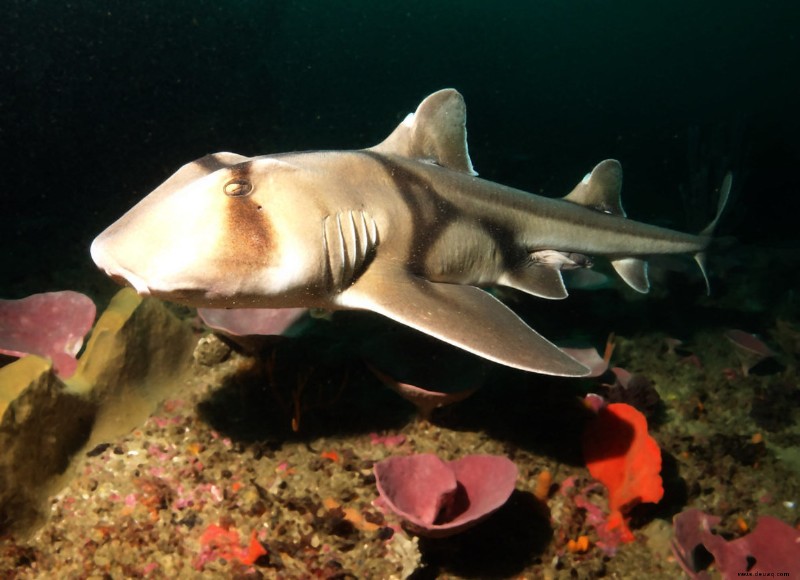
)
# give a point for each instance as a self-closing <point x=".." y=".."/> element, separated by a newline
<point x="621" y="454"/>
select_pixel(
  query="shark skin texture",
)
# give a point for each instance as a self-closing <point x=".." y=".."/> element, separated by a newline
<point x="405" y="229"/>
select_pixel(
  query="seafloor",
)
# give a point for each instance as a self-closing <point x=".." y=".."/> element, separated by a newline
<point x="273" y="452"/>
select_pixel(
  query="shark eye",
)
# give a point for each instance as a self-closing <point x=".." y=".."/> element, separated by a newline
<point x="238" y="188"/>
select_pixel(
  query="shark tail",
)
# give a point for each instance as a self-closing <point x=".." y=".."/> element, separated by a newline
<point x="600" y="189"/>
<point x="706" y="232"/>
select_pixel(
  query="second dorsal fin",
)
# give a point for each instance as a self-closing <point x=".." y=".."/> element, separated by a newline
<point x="600" y="189"/>
<point x="435" y="133"/>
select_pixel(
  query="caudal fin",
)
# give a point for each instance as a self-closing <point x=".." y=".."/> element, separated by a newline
<point x="700" y="257"/>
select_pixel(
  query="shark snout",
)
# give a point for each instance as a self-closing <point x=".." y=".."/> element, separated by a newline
<point x="105" y="261"/>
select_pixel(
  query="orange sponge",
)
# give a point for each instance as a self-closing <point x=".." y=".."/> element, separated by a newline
<point x="621" y="454"/>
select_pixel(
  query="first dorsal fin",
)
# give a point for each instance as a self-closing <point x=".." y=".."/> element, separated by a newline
<point x="435" y="133"/>
<point x="600" y="189"/>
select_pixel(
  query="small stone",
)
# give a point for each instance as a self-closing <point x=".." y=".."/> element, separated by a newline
<point x="211" y="351"/>
<point x="98" y="450"/>
<point x="101" y="561"/>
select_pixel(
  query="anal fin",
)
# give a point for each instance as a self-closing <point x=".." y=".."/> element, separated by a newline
<point x="634" y="272"/>
<point x="463" y="316"/>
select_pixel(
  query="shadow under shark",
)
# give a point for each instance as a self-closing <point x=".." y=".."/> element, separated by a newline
<point x="405" y="229"/>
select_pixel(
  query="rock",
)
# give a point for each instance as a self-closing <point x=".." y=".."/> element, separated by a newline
<point x="136" y="355"/>
<point x="43" y="425"/>
<point x="211" y="351"/>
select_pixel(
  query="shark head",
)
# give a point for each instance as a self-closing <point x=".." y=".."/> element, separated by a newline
<point x="206" y="237"/>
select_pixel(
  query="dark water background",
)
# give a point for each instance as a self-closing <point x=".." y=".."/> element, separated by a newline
<point x="101" y="100"/>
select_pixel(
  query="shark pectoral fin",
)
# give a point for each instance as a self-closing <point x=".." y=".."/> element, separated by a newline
<point x="436" y="133"/>
<point x="463" y="316"/>
<point x="634" y="272"/>
<point x="538" y="280"/>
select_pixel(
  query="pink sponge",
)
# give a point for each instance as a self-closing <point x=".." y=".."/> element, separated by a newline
<point x="51" y="325"/>
<point x="250" y="321"/>
<point x="772" y="547"/>
<point x="440" y="498"/>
